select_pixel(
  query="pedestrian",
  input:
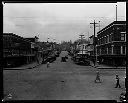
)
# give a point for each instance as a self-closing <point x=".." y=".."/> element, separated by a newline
<point x="98" y="77"/>
<point x="93" y="62"/>
<point x="117" y="81"/>
<point x="48" y="64"/>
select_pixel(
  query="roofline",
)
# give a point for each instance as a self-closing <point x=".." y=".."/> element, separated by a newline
<point x="17" y="36"/>
<point x="111" y="24"/>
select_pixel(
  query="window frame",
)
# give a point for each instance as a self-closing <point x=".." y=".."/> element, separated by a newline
<point x="124" y="34"/>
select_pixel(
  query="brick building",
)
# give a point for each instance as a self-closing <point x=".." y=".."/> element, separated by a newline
<point x="17" y="50"/>
<point x="111" y="45"/>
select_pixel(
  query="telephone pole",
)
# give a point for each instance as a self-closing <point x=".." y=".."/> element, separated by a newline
<point x="116" y="12"/>
<point x="94" y="42"/>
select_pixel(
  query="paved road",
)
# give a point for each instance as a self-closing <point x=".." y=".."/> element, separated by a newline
<point x="62" y="80"/>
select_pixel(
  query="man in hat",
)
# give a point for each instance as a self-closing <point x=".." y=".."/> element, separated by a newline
<point x="117" y="83"/>
<point x="98" y="77"/>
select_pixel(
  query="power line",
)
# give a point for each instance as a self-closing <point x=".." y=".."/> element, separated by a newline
<point x="42" y="17"/>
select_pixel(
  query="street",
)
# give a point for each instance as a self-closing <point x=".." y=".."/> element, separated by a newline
<point x="62" y="81"/>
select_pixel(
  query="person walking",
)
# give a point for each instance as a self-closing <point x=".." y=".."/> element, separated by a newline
<point x="48" y="64"/>
<point x="117" y="81"/>
<point x="98" y="77"/>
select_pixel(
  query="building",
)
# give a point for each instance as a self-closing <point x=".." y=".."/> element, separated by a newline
<point x="111" y="45"/>
<point x="17" y="50"/>
<point x="46" y="48"/>
<point x="82" y="48"/>
<point x="35" y="44"/>
<point x="90" y="47"/>
<point x="35" y="39"/>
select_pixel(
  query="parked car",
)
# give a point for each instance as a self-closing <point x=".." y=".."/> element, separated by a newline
<point x="123" y="96"/>
<point x="81" y="60"/>
<point x="51" y="58"/>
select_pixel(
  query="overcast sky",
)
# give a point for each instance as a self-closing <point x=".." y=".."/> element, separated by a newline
<point x="59" y="21"/>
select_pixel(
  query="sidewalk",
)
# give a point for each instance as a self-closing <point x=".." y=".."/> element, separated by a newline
<point x="103" y="66"/>
<point x="26" y="66"/>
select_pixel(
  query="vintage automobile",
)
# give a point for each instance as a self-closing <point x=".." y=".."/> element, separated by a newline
<point x="81" y="59"/>
<point x="51" y="58"/>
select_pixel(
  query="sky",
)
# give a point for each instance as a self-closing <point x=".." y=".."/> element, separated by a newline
<point x="59" y="21"/>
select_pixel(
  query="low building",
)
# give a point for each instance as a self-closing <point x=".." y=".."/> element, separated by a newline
<point x="17" y="50"/>
<point x="111" y="45"/>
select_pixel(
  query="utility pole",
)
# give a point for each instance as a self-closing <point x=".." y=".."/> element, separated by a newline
<point x="94" y="42"/>
<point x="116" y="12"/>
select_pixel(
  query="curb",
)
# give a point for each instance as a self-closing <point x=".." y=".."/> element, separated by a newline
<point x="98" y="67"/>
<point x="111" y="68"/>
<point x="21" y="68"/>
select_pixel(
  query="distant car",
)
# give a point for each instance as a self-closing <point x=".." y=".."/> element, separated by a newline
<point x="123" y="96"/>
<point x="81" y="61"/>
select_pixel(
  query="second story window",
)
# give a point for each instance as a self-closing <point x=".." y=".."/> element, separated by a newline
<point x="106" y="39"/>
<point x="110" y="38"/>
<point x="122" y="36"/>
